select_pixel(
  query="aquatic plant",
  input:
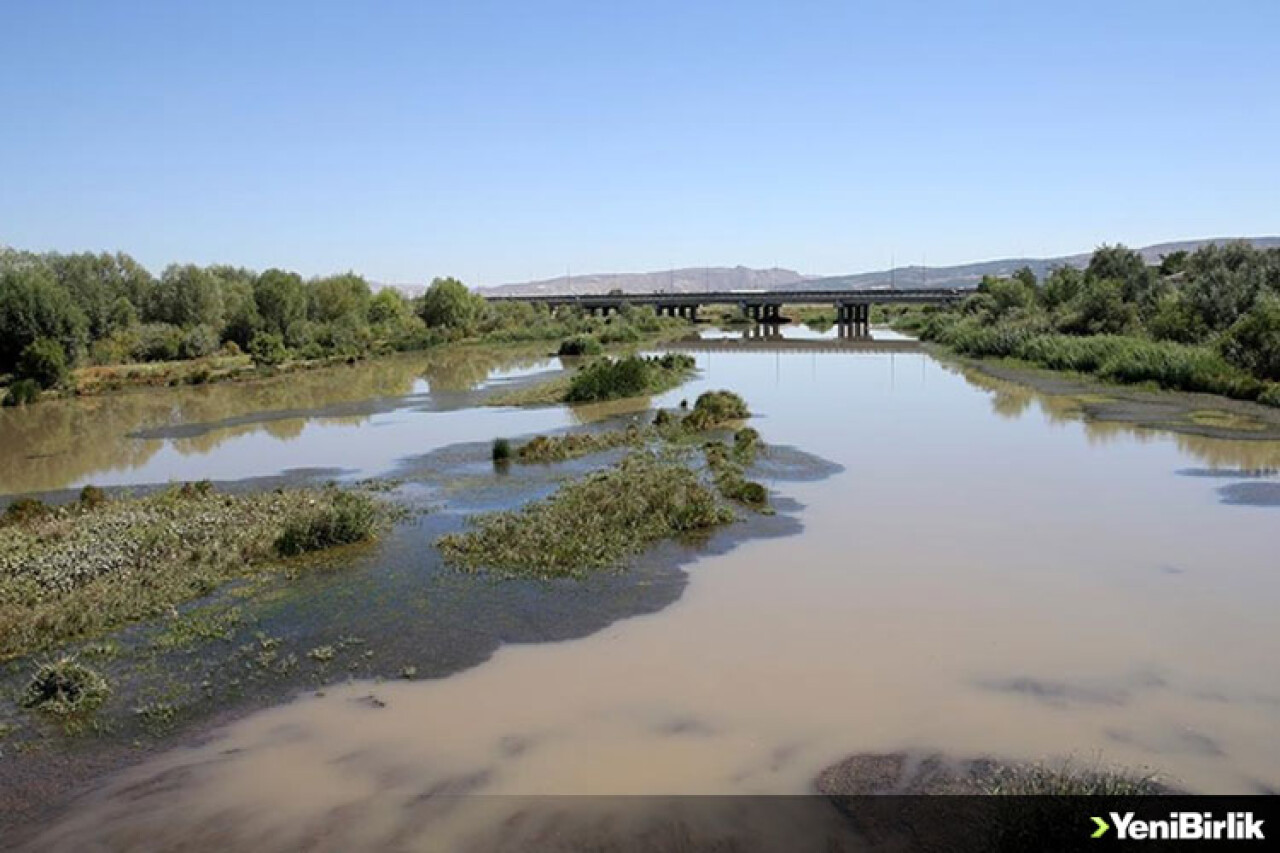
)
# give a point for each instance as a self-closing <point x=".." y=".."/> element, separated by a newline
<point x="1068" y="780"/>
<point x="713" y="409"/>
<point x="70" y="572"/>
<point x="501" y="450"/>
<point x="543" y="448"/>
<point x="630" y="376"/>
<point x="590" y="523"/>
<point x="580" y="345"/>
<point x="65" y="688"/>
<point x="347" y="518"/>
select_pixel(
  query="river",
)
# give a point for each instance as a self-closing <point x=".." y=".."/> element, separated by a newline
<point x="987" y="573"/>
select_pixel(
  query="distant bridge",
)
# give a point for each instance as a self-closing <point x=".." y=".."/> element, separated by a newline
<point x="853" y="307"/>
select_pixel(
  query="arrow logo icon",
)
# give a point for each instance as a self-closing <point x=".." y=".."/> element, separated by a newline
<point x="1103" y="826"/>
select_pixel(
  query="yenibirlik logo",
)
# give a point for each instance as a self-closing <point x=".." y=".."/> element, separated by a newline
<point x="1183" y="826"/>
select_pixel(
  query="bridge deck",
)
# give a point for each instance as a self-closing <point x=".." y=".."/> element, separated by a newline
<point x="746" y="298"/>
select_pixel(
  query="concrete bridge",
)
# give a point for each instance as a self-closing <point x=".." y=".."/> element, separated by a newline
<point x="853" y="307"/>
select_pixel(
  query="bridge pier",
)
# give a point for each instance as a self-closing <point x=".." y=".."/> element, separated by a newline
<point x="853" y="319"/>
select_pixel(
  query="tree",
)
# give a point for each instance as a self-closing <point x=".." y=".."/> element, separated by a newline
<point x="336" y="296"/>
<point x="388" y="307"/>
<point x="33" y="305"/>
<point x="1253" y="342"/>
<point x="281" y="300"/>
<point x="1061" y="286"/>
<point x="44" y="362"/>
<point x="1027" y="276"/>
<point x="1099" y="309"/>
<point x="267" y="349"/>
<point x="448" y="304"/>
<point x="1139" y="284"/>
<point x="188" y="296"/>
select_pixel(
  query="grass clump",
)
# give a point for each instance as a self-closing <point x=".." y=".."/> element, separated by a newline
<point x="501" y="450"/>
<point x="543" y="448"/>
<point x="25" y="510"/>
<point x="72" y="572"/>
<point x="714" y="409"/>
<point x="346" y="518"/>
<point x="65" y="688"/>
<point x="629" y="376"/>
<point x="1068" y="781"/>
<point x="590" y="523"/>
<point x="581" y="345"/>
<point x="22" y="392"/>
<point x="728" y="470"/>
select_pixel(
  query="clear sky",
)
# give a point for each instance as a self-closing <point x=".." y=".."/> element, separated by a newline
<point x="507" y="141"/>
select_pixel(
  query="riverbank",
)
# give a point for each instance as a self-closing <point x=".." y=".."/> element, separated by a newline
<point x="98" y="380"/>
<point x="1181" y="412"/>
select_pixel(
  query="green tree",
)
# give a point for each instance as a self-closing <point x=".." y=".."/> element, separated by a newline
<point x="388" y="307"/>
<point x="1253" y="342"/>
<point x="33" y="305"/>
<point x="188" y="296"/>
<point x="1099" y="309"/>
<point x="336" y="296"/>
<point x="281" y="300"/>
<point x="448" y="304"/>
<point x="267" y="348"/>
<point x="44" y="362"/>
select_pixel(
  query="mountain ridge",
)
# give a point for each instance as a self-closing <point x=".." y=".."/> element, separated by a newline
<point x="701" y="279"/>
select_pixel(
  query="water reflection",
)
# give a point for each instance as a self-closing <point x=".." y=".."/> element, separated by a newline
<point x="143" y="436"/>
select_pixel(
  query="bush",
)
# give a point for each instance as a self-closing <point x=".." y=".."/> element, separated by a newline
<point x="158" y="342"/>
<point x="716" y="408"/>
<point x="198" y="342"/>
<point x="1270" y="395"/>
<point x="580" y="345"/>
<point x="25" y="509"/>
<point x="22" y="392"/>
<point x="65" y="688"/>
<point x="92" y="497"/>
<point x="501" y="450"/>
<point x="198" y="489"/>
<point x="1253" y="342"/>
<point x="267" y="349"/>
<point x="44" y="361"/>
<point x="348" y="518"/>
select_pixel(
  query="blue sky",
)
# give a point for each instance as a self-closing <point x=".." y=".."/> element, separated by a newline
<point x="506" y="141"/>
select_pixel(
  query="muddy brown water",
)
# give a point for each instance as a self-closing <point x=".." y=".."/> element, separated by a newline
<point x="989" y="574"/>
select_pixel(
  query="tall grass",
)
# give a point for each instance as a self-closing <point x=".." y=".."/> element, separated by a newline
<point x="1115" y="358"/>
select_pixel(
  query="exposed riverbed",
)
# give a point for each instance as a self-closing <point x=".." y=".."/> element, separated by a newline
<point x="961" y="564"/>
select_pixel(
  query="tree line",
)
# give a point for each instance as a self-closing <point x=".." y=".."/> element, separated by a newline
<point x="60" y="311"/>
<point x="1207" y="320"/>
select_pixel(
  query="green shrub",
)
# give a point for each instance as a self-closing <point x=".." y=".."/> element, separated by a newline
<point x="580" y="345"/>
<point x="22" y="392"/>
<point x="1253" y="342"/>
<point x="630" y="376"/>
<point x="198" y="489"/>
<point x="714" y="409"/>
<point x="1270" y="395"/>
<point x="267" y="349"/>
<point x="92" y="497"/>
<point x="198" y="342"/>
<point x="43" y="361"/>
<point x="348" y="518"/>
<point x="65" y="688"/>
<point x="745" y="443"/>
<point x="25" y="509"/>
<point x="501" y="450"/>
<point x="158" y="342"/>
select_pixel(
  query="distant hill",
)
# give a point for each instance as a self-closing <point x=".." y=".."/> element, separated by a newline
<point x="695" y="279"/>
<point x="970" y="275"/>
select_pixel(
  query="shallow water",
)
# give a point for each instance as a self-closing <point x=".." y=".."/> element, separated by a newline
<point x="988" y="575"/>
